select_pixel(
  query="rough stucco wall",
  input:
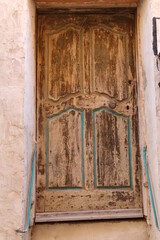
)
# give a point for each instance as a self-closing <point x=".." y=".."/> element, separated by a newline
<point x="13" y="68"/>
<point x="154" y="234"/>
<point x="149" y="9"/>
<point x="29" y="102"/>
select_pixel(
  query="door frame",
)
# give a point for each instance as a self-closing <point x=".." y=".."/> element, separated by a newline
<point x="109" y="214"/>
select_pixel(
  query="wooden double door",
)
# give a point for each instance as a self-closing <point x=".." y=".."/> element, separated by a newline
<point x="88" y="164"/>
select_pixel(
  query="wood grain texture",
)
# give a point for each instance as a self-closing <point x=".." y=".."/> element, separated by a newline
<point x="84" y="3"/>
<point x="90" y="162"/>
<point x="111" y="150"/>
<point x="65" y="155"/>
<point x="89" y="1"/>
<point x="110" y="61"/>
<point x="97" y="199"/>
<point x="64" y="62"/>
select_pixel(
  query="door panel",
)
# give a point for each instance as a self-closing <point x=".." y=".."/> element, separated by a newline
<point x="112" y="149"/>
<point x="109" y="63"/>
<point x="87" y="128"/>
<point x="64" y="55"/>
<point x="65" y="150"/>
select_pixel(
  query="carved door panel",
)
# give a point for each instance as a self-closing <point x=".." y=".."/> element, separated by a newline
<point x="87" y="126"/>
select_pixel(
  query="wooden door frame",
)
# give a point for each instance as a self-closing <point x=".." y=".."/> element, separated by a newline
<point x="107" y="214"/>
<point x="48" y="4"/>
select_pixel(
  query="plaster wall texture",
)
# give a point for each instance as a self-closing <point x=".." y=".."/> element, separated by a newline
<point x="17" y="123"/>
<point x="109" y="230"/>
<point x="17" y="70"/>
<point x="154" y="233"/>
<point x="29" y="104"/>
<point x="151" y="77"/>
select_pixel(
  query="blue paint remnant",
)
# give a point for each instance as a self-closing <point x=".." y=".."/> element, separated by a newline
<point x="129" y="142"/>
<point x="82" y="137"/>
<point x="150" y="190"/>
<point x="30" y="196"/>
<point x="110" y="111"/>
<point x="47" y="148"/>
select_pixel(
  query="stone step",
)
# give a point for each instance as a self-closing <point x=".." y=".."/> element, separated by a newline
<point x="95" y="230"/>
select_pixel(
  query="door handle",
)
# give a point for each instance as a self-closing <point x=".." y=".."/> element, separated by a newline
<point x="112" y="104"/>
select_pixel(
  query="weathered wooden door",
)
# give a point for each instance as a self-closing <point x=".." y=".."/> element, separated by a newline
<point x="88" y="163"/>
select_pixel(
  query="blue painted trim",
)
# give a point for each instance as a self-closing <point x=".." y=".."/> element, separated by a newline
<point x="30" y="196"/>
<point x="150" y="190"/>
<point x="47" y="148"/>
<point x="110" y="111"/>
<point x="32" y="179"/>
<point x="94" y="142"/>
<point x="82" y="137"/>
<point x="129" y="142"/>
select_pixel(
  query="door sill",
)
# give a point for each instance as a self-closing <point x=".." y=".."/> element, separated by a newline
<point x="88" y="215"/>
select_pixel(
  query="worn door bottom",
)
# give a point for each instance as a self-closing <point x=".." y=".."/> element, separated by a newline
<point x="88" y="215"/>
